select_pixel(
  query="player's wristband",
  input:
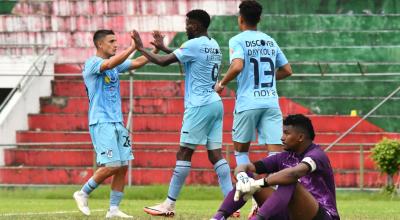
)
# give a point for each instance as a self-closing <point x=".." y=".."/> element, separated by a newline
<point x="220" y="85"/>
<point x="262" y="182"/>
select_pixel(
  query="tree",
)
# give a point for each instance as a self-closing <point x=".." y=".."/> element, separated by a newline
<point x="386" y="155"/>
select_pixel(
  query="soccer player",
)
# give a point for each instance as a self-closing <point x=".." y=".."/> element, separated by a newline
<point x="254" y="56"/>
<point x="202" y="120"/>
<point x="109" y="136"/>
<point x="303" y="175"/>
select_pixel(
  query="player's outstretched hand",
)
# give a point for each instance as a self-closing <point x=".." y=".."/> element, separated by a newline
<point x="138" y="41"/>
<point x="158" y="40"/>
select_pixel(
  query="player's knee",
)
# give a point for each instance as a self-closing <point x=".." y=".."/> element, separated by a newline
<point x="123" y="169"/>
<point x="241" y="147"/>
<point x="214" y="156"/>
<point x="184" y="154"/>
<point x="108" y="171"/>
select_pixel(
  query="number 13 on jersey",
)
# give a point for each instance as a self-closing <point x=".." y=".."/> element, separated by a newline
<point x="261" y="67"/>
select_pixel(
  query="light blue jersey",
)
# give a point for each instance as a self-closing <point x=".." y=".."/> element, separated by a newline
<point x="201" y="58"/>
<point x="257" y="81"/>
<point x="103" y="90"/>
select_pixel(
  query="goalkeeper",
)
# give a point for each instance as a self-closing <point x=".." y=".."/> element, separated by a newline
<point x="303" y="176"/>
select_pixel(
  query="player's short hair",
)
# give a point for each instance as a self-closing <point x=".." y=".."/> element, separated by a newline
<point x="301" y="122"/>
<point x="251" y="11"/>
<point x="201" y="16"/>
<point x="100" y="34"/>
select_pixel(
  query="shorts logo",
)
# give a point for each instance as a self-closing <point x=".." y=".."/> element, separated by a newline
<point x="127" y="141"/>
<point x="109" y="153"/>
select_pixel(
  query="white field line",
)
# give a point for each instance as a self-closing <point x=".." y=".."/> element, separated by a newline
<point x="45" y="213"/>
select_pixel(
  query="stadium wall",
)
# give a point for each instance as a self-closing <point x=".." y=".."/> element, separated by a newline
<point x="15" y="115"/>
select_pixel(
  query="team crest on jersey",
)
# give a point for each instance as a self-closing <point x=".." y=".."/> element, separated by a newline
<point x="107" y="79"/>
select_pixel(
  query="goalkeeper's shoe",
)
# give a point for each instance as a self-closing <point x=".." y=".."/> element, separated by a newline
<point x="253" y="211"/>
<point x="236" y="214"/>
<point x="82" y="202"/>
<point x="116" y="213"/>
<point x="162" y="209"/>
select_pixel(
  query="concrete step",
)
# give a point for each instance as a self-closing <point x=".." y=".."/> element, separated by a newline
<point x="173" y="122"/>
<point x="68" y="39"/>
<point x="151" y="158"/>
<point x="161" y="88"/>
<point x="173" y="137"/>
<point x="387" y="53"/>
<point x="145" y="176"/>
<point x="313" y="67"/>
<point x="85" y="157"/>
<point x="149" y="105"/>
<point x="118" y="7"/>
<point x="344" y="105"/>
<point x="118" y="23"/>
<point x="83" y="39"/>
<point x="336" y="53"/>
<point x="312" y="22"/>
<point x="311" y="38"/>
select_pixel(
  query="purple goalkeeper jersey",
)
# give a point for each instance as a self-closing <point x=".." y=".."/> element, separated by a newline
<point x="319" y="182"/>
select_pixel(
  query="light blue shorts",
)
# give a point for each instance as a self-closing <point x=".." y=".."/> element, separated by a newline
<point x="267" y="122"/>
<point x="203" y="126"/>
<point x="112" y="144"/>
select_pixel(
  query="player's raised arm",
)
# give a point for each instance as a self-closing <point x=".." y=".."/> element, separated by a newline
<point x="141" y="61"/>
<point x="162" y="60"/>
<point x="111" y="42"/>
<point x="158" y="42"/>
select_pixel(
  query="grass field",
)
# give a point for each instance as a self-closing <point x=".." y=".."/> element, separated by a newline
<point x="196" y="202"/>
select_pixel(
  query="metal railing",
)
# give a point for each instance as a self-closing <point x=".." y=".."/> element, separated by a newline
<point x="27" y="77"/>
<point x="363" y="118"/>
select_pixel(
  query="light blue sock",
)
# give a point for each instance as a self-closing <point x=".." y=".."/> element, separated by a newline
<point x="115" y="198"/>
<point x="224" y="176"/>
<point x="181" y="171"/>
<point x="242" y="158"/>
<point x="89" y="186"/>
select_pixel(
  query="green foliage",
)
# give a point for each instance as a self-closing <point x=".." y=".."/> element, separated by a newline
<point x="389" y="190"/>
<point x="386" y="155"/>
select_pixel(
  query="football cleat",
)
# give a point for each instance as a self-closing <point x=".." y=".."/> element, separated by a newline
<point x="117" y="214"/>
<point x="160" y="210"/>
<point x="82" y="202"/>
<point x="236" y="214"/>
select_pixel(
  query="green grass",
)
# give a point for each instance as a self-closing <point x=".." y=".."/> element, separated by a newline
<point x="195" y="202"/>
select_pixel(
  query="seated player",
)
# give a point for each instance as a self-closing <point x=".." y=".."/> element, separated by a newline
<point x="303" y="176"/>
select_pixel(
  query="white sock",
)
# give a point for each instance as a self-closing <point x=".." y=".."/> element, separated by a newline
<point x="84" y="193"/>
<point x="113" y="208"/>
<point x="169" y="202"/>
